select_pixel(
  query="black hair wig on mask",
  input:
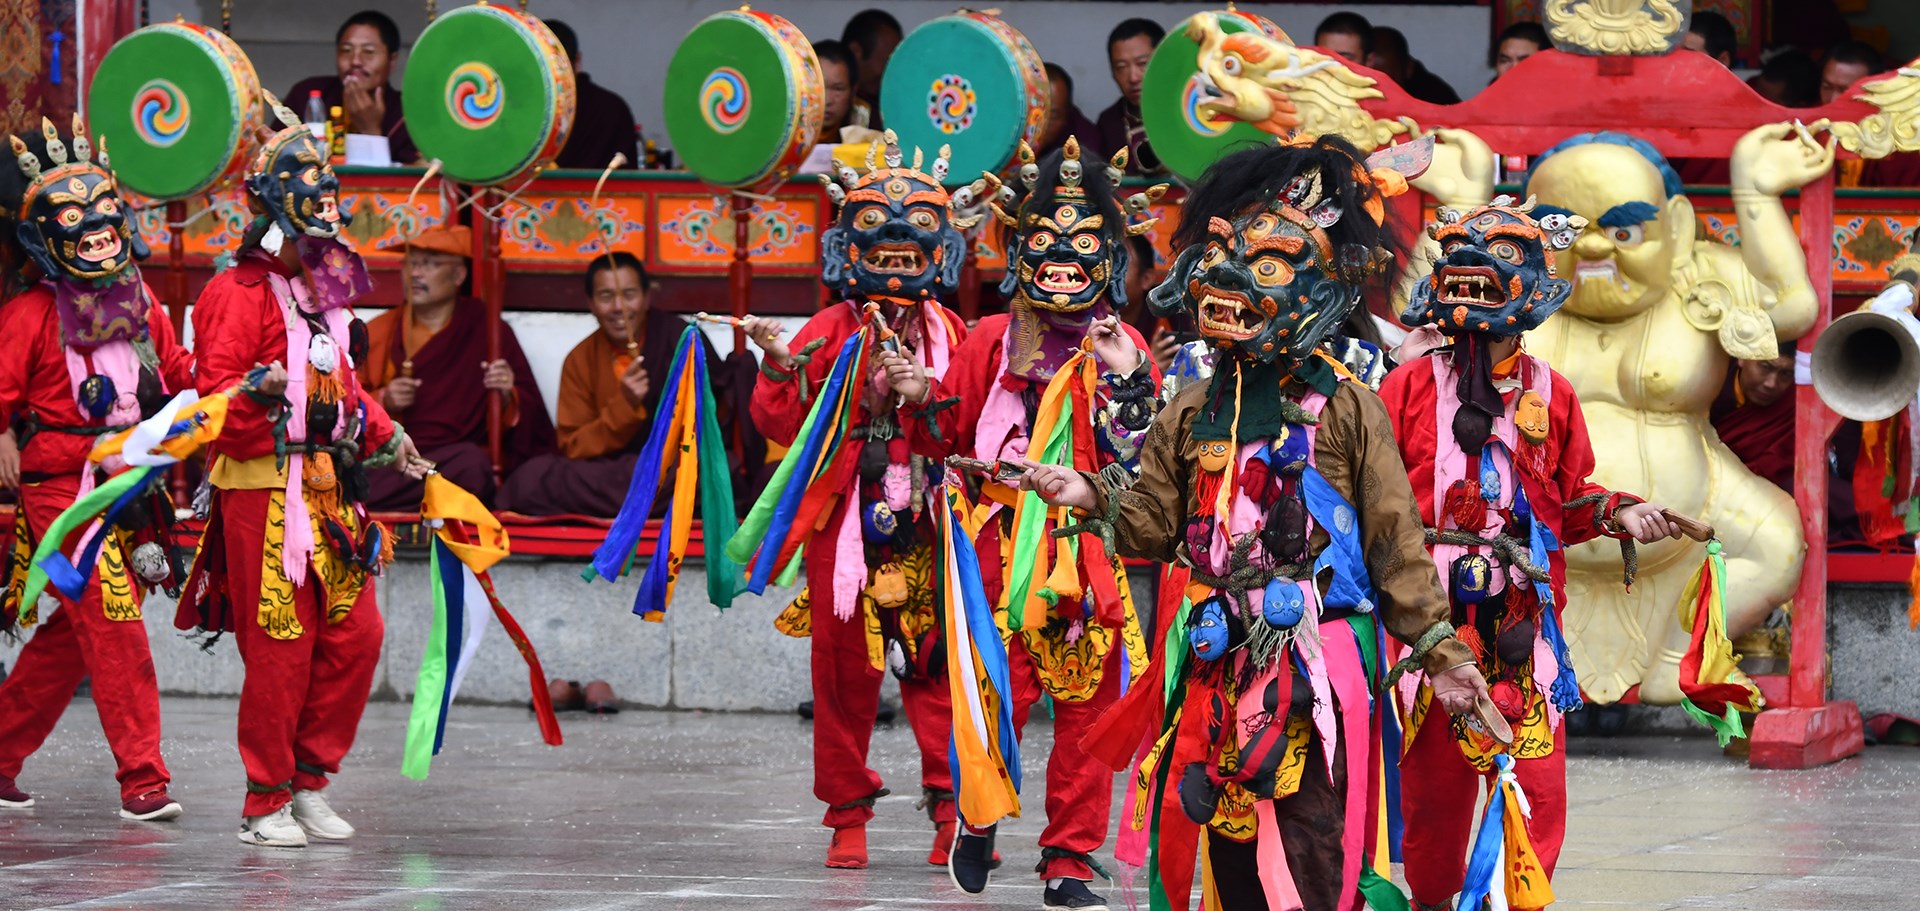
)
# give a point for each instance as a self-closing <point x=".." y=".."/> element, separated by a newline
<point x="1253" y="178"/>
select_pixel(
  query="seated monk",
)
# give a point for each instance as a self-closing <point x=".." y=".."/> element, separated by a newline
<point x="416" y="374"/>
<point x="1754" y="416"/>
<point x="609" y="388"/>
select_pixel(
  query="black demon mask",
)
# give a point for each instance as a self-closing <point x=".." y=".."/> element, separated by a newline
<point x="72" y="222"/>
<point x="895" y="238"/>
<point x="1494" y="275"/>
<point x="292" y="183"/>
<point x="1066" y="244"/>
<point x="1264" y="286"/>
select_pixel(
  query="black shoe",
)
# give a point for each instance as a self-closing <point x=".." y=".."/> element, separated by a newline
<point x="1073" y="894"/>
<point x="970" y="863"/>
<point x="806" y="710"/>
<point x="884" y="714"/>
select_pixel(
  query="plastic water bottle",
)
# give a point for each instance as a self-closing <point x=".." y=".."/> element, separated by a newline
<point x="317" y="115"/>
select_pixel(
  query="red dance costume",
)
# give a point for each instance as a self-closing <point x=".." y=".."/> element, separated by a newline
<point x="1072" y="659"/>
<point x="101" y="637"/>
<point x="892" y="585"/>
<point x="1446" y="767"/>
<point x="309" y="636"/>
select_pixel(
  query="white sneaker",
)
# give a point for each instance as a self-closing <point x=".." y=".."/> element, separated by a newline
<point x="310" y="810"/>
<point x="274" y="830"/>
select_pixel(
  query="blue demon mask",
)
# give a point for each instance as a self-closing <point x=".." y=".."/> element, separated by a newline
<point x="894" y="239"/>
<point x="1495" y="274"/>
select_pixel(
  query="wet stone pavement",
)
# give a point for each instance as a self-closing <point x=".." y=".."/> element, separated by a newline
<point x="665" y="810"/>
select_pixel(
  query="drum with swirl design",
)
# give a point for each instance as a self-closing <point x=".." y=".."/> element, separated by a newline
<point x="744" y="99"/>
<point x="1182" y="138"/>
<point x="970" y="81"/>
<point x="489" y="93"/>
<point x="180" y="107"/>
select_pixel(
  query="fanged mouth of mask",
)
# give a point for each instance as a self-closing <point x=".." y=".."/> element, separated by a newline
<point x="895" y="259"/>
<point x="1475" y="285"/>
<point x="100" y="246"/>
<point x="1603" y="270"/>
<point x="1228" y="314"/>
<point x="329" y="211"/>
<point x="1061" y="278"/>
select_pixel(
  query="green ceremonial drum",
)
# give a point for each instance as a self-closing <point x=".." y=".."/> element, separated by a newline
<point x="489" y="92"/>
<point x="1170" y="94"/>
<point x="967" y="80"/>
<point x="744" y="99"/>
<point x="181" y="107"/>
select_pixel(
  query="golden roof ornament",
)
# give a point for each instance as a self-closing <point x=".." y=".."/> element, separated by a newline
<point x="1607" y="28"/>
<point x="1896" y="127"/>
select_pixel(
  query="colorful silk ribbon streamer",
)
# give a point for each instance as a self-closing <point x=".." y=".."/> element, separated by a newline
<point x="1502" y="869"/>
<point x="984" y="749"/>
<point x="462" y="596"/>
<point x="687" y="426"/>
<point x="770" y="539"/>
<point x="1711" y="689"/>
<point x="148" y="448"/>
<point x="1077" y="569"/>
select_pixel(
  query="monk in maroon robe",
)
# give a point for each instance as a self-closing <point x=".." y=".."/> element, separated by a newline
<point x="427" y="363"/>
<point x="1754" y="416"/>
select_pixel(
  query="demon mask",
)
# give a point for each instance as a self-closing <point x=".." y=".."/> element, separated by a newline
<point x="72" y="222"/>
<point x="292" y="183"/>
<point x="1495" y="273"/>
<point x="1067" y="241"/>
<point x="896" y="238"/>
<point x="1278" y="241"/>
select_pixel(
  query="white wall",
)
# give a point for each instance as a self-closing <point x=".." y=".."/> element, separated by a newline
<point x="626" y="43"/>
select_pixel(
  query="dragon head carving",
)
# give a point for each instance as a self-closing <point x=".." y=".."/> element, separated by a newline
<point x="1268" y="81"/>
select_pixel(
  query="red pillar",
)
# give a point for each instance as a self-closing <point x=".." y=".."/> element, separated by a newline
<point x="740" y="271"/>
<point x="490" y="276"/>
<point x="1809" y="730"/>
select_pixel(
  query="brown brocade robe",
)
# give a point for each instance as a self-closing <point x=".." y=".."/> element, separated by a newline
<point x="1355" y="450"/>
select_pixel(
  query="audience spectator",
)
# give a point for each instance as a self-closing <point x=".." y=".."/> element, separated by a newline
<point x="1754" y="416"/>
<point x="610" y="388"/>
<point x="1348" y="34"/>
<point x="1711" y="34"/>
<point x="837" y="67"/>
<point x="870" y="36"/>
<point x="363" y="52"/>
<point x="602" y="123"/>
<point x="1390" y="55"/>
<point x="1847" y="63"/>
<point x="1129" y="46"/>
<point x="1064" y="119"/>
<point x="1790" y="79"/>
<point x="1520" y="41"/>
<point x="416" y="355"/>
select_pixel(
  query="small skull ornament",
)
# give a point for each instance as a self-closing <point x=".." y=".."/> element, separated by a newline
<point x="150" y="563"/>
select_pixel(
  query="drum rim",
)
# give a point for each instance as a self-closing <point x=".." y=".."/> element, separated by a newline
<point x="543" y="150"/>
<point x="1025" y="60"/>
<point x="769" y="170"/>
<point x="240" y="135"/>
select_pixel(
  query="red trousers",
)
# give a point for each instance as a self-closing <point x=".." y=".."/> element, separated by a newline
<point x="1079" y="790"/>
<point x="79" y="641"/>
<point x="846" y="694"/>
<point x="301" y="703"/>
<point x="1438" y="790"/>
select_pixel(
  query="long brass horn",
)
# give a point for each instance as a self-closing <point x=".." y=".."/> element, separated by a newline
<point x="1866" y="364"/>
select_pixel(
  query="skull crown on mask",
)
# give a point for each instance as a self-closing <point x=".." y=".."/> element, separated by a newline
<point x="1067" y="241"/>
<point x="1494" y="274"/>
<point x="72" y="222"/>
